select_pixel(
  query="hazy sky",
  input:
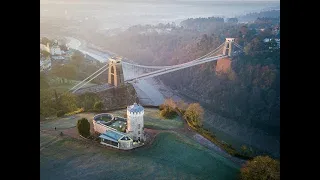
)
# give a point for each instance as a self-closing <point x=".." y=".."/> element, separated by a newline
<point x="125" y="13"/>
<point x="48" y="1"/>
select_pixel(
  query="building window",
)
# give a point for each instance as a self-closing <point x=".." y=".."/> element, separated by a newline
<point x="138" y="126"/>
<point x="138" y="132"/>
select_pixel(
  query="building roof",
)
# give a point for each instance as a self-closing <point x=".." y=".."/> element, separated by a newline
<point x="111" y="135"/>
<point x="135" y="108"/>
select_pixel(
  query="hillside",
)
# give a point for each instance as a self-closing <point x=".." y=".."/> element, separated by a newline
<point x="241" y="97"/>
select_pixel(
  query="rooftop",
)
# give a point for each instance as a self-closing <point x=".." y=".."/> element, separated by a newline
<point x="135" y="108"/>
<point x="112" y="136"/>
<point x="119" y="125"/>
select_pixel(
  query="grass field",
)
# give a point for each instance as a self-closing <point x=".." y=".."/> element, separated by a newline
<point x="169" y="157"/>
<point x="65" y="122"/>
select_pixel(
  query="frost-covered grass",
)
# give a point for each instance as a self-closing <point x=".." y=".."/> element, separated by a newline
<point x="169" y="157"/>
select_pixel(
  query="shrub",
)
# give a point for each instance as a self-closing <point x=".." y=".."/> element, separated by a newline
<point x="68" y="102"/>
<point x="194" y="114"/>
<point x="167" y="109"/>
<point x="261" y="167"/>
<point x="98" y="106"/>
<point x="87" y="100"/>
<point x="170" y="103"/>
<point x="75" y="112"/>
<point x="168" y="113"/>
<point x="161" y="107"/>
<point x="60" y="113"/>
<point x="83" y="127"/>
<point x="182" y="107"/>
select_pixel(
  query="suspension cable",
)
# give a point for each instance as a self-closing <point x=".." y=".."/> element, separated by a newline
<point x="90" y="80"/>
<point x="88" y="77"/>
<point x="162" y="67"/>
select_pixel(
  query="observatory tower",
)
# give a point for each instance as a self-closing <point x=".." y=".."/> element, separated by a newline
<point x="135" y="122"/>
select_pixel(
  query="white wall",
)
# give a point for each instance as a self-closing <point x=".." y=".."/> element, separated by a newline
<point x="100" y="128"/>
<point x="133" y="122"/>
<point x="125" y="144"/>
<point x="55" y="51"/>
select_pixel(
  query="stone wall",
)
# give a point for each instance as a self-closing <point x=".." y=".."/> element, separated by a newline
<point x="100" y="128"/>
<point x="118" y="97"/>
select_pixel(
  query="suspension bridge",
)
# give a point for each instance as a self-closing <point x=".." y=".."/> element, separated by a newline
<point x="121" y="72"/>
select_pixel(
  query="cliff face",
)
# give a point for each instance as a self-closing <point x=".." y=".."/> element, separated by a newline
<point x="223" y="65"/>
<point x="241" y="99"/>
<point x="118" y="97"/>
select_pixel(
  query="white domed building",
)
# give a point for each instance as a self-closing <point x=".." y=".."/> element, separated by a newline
<point x="135" y="122"/>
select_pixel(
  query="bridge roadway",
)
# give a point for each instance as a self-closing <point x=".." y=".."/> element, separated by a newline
<point x="175" y="68"/>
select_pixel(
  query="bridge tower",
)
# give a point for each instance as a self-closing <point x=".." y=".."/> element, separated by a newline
<point x="115" y="74"/>
<point x="228" y="47"/>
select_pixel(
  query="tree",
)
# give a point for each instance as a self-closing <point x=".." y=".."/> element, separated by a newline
<point x="232" y="20"/>
<point x="170" y="103"/>
<point x="83" y="126"/>
<point x="255" y="45"/>
<point x="168" y="108"/>
<point x="182" y="106"/>
<point x="98" y="106"/>
<point x="68" y="102"/>
<point x="47" y="104"/>
<point x="261" y="168"/>
<point x="194" y="114"/>
<point x="43" y="82"/>
<point x="87" y="100"/>
<point x="45" y="53"/>
<point x="77" y="59"/>
<point x="67" y="71"/>
<point x="244" y="149"/>
<point x="45" y="40"/>
<point x="60" y="113"/>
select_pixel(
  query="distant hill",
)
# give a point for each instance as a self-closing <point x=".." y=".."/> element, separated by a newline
<point x="264" y="14"/>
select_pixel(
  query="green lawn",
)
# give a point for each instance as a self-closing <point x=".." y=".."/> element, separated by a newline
<point x="65" y="122"/>
<point x="169" y="157"/>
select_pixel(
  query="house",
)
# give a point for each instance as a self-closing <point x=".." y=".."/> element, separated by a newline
<point x="45" y="64"/>
<point x="55" y="49"/>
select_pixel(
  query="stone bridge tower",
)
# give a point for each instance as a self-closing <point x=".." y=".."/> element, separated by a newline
<point x="115" y="74"/>
<point x="228" y="47"/>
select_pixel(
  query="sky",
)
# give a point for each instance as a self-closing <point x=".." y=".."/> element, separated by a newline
<point x="44" y="1"/>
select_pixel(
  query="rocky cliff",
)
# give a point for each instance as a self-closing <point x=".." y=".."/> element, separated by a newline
<point x="118" y="97"/>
